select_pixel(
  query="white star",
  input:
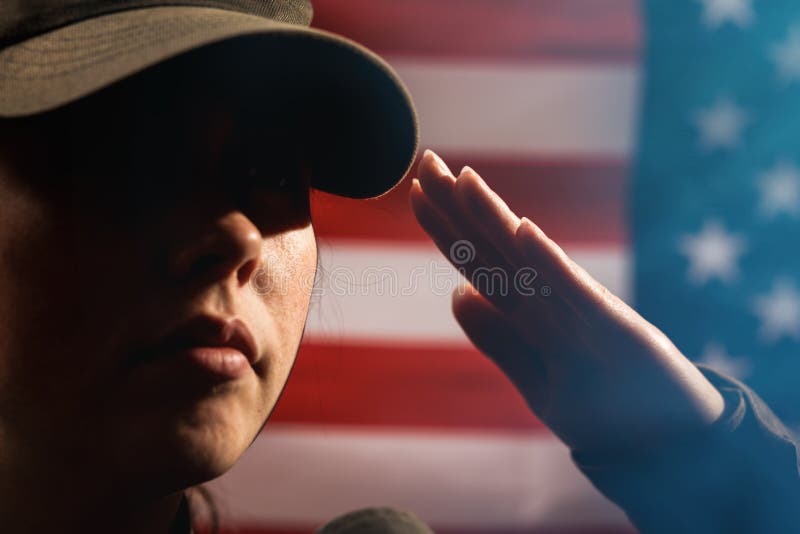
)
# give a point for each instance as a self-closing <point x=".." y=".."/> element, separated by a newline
<point x="786" y="56"/>
<point x="721" y="125"/>
<point x="780" y="190"/>
<point x="779" y="311"/>
<point x="718" y="12"/>
<point x="712" y="253"/>
<point x="718" y="358"/>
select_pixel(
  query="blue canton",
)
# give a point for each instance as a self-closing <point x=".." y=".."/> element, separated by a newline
<point x="715" y="194"/>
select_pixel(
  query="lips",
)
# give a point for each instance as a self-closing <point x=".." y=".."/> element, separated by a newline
<point x="205" y="331"/>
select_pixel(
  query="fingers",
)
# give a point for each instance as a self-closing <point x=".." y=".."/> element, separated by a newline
<point x="436" y="180"/>
<point x="440" y="192"/>
<point x="444" y="234"/>
<point x="436" y="225"/>
<point x="490" y="215"/>
<point x="451" y="209"/>
<point x="468" y="209"/>
<point x="518" y="356"/>
<point x="441" y="188"/>
<point x="586" y="296"/>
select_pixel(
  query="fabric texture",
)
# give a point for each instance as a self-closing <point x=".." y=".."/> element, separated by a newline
<point x="742" y="475"/>
<point x="19" y="21"/>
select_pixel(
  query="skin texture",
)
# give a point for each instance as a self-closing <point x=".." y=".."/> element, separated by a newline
<point x="593" y="370"/>
<point x="118" y="222"/>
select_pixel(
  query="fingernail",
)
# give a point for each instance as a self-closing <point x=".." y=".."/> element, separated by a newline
<point x="482" y="184"/>
<point x="443" y="169"/>
<point x="479" y="178"/>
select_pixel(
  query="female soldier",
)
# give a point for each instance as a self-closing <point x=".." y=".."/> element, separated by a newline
<point x="154" y="159"/>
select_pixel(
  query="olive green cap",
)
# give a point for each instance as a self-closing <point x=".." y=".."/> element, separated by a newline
<point x="359" y="120"/>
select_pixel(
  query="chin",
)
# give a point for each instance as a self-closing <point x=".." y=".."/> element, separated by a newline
<point x="192" y="447"/>
<point x="212" y="440"/>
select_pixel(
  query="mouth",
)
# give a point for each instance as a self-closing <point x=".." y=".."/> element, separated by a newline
<point x="223" y="347"/>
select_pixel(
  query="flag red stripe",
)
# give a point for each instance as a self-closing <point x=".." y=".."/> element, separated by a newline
<point x="488" y="29"/>
<point x="412" y="387"/>
<point x="580" y="202"/>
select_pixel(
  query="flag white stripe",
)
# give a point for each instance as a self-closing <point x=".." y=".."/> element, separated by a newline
<point x="373" y="291"/>
<point x="295" y="475"/>
<point x="507" y="109"/>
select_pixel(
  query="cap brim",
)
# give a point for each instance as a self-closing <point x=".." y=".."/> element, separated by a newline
<point x="358" y="118"/>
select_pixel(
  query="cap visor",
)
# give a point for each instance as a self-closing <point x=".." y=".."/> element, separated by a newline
<point x="358" y="120"/>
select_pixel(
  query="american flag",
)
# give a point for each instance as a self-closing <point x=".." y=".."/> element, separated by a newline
<point x="388" y="403"/>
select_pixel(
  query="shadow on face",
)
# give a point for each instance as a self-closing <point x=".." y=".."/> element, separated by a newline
<point x="151" y="142"/>
<point x="172" y="160"/>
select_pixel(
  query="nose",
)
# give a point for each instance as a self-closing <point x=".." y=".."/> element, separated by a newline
<point x="230" y="246"/>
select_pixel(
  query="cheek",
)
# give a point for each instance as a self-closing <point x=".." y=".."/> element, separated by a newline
<point x="283" y="286"/>
<point x="42" y="316"/>
<point x="286" y="280"/>
<point x="31" y="263"/>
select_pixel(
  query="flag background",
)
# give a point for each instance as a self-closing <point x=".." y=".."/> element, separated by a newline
<point x="715" y="202"/>
<point x="388" y="403"/>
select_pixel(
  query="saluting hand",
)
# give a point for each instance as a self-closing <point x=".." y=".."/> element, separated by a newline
<point x="600" y="376"/>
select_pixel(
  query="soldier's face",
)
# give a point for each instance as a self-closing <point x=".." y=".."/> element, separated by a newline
<point x="122" y="219"/>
